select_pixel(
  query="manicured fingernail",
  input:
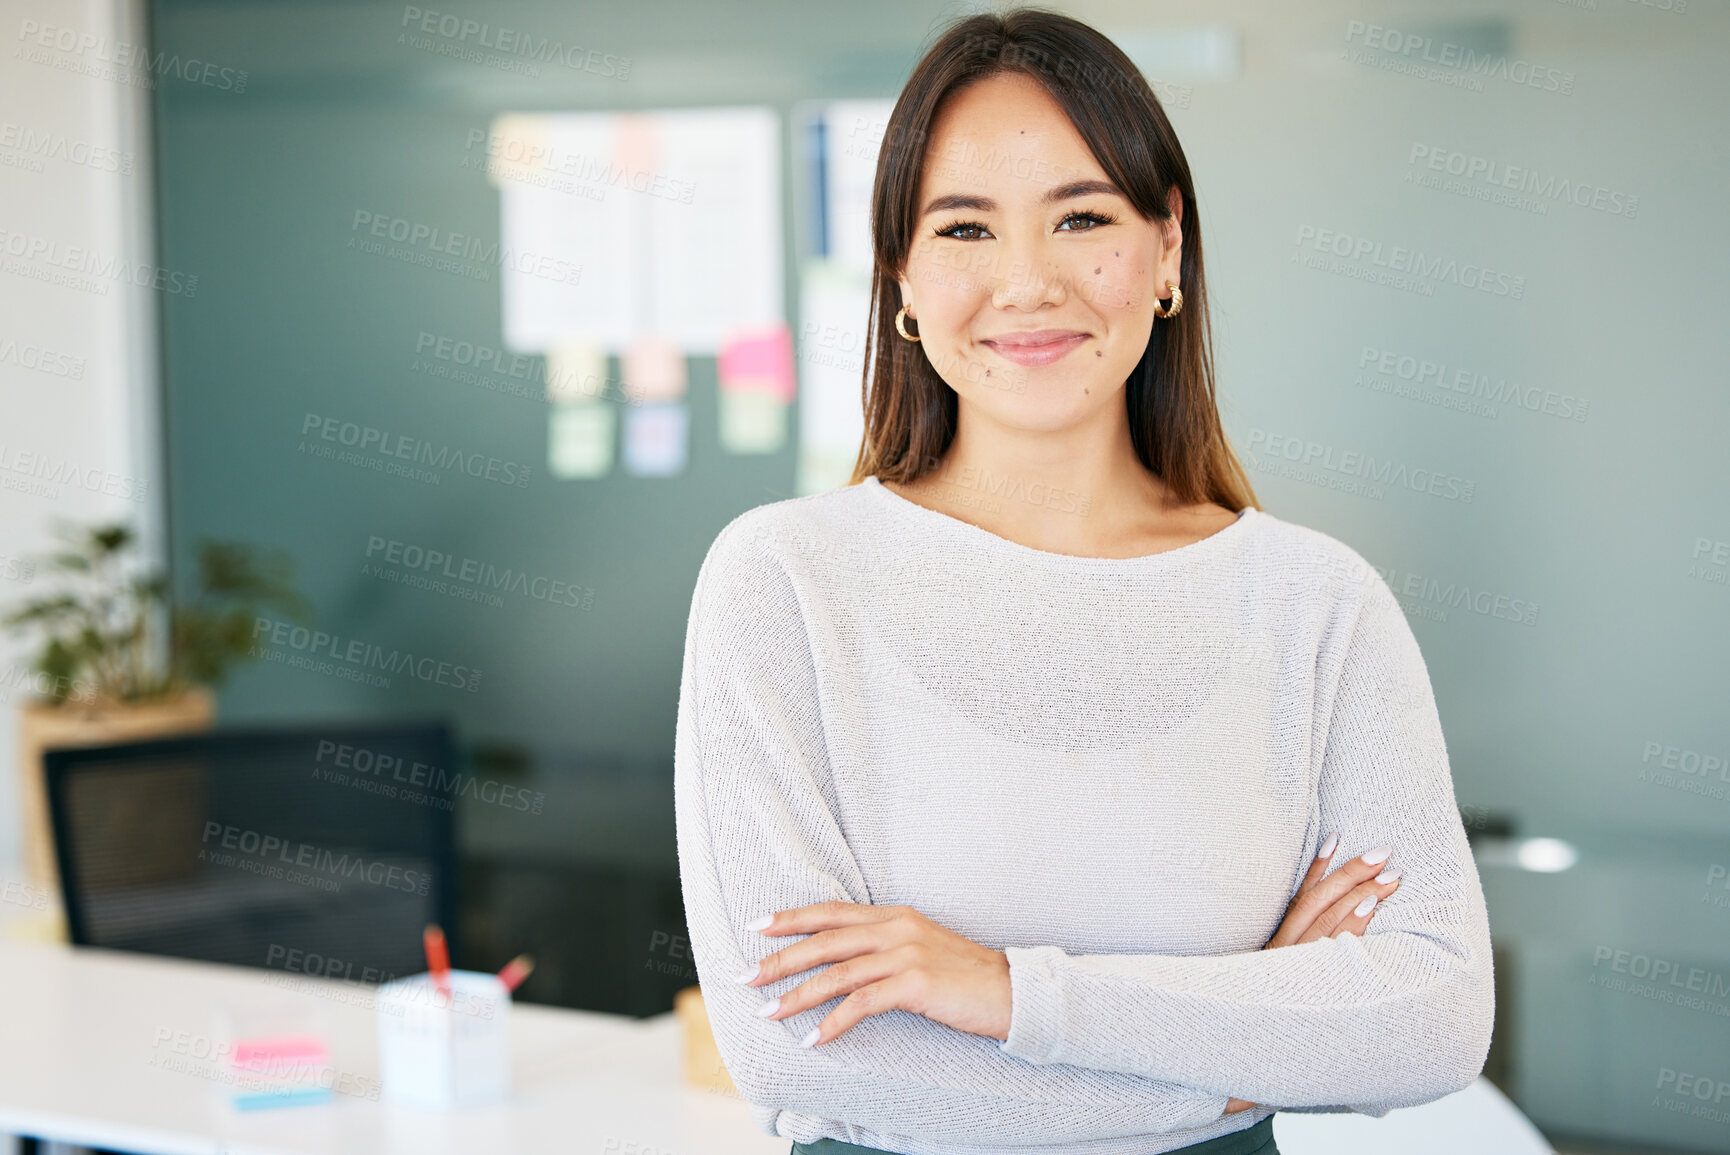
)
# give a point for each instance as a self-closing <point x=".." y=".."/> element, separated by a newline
<point x="1388" y="875"/>
<point x="1365" y="906"/>
<point x="768" y="1008"/>
<point x="761" y="923"/>
<point x="811" y="1038"/>
<point x="1379" y="855"/>
<point x="1328" y="846"/>
<point x="748" y="973"/>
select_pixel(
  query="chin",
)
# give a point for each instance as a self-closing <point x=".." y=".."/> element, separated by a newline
<point x="1047" y="406"/>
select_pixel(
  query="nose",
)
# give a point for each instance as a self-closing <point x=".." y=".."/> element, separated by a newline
<point x="1027" y="278"/>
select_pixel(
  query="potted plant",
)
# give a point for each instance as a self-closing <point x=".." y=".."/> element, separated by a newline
<point x="119" y="659"/>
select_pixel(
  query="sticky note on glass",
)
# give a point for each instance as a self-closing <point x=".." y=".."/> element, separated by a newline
<point x="752" y="421"/>
<point x="637" y="144"/>
<point x="654" y="370"/>
<point x="517" y="147"/>
<point x="576" y="373"/>
<point x="580" y="440"/>
<point x="657" y="439"/>
<point x="758" y="360"/>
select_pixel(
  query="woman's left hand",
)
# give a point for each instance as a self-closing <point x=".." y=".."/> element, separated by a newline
<point x="883" y="958"/>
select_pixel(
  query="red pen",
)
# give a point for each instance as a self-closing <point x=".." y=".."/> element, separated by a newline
<point x="438" y="958"/>
<point x="516" y="971"/>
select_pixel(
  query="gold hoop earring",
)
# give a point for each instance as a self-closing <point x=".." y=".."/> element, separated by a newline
<point x="1176" y="305"/>
<point x="901" y="327"/>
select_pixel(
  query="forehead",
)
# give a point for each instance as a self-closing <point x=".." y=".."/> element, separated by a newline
<point x="1006" y="137"/>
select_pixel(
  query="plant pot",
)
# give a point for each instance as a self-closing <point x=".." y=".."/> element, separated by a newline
<point x="43" y="727"/>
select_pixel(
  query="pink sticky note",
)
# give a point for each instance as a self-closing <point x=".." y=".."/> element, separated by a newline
<point x="759" y="360"/>
<point x="251" y="1053"/>
<point x="635" y="146"/>
<point x="654" y="370"/>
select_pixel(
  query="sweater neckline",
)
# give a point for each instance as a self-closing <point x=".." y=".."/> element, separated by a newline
<point x="1208" y="544"/>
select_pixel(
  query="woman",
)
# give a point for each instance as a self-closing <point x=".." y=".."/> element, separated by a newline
<point x="1011" y="778"/>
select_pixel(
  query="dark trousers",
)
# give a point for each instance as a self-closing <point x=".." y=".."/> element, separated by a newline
<point x="1257" y="1140"/>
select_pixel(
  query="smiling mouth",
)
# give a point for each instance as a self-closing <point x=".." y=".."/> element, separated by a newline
<point x="1033" y="340"/>
<point x="1035" y="348"/>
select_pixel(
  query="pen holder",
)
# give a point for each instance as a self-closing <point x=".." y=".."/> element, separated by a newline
<point x="445" y="1049"/>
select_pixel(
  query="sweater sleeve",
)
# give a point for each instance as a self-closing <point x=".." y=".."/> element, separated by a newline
<point x="1397" y="1017"/>
<point x="758" y="831"/>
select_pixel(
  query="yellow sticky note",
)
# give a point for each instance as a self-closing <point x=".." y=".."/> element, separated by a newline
<point x="517" y="149"/>
<point x="576" y="373"/>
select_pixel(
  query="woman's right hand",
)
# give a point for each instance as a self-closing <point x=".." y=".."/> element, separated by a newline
<point x="1334" y="904"/>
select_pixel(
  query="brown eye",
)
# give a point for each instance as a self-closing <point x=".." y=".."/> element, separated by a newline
<point x="1091" y="221"/>
<point x="963" y="231"/>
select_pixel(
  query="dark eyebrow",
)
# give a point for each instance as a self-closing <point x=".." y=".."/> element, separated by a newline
<point x="1062" y="192"/>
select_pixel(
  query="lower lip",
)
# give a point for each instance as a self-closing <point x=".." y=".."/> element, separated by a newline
<point x="1037" y="354"/>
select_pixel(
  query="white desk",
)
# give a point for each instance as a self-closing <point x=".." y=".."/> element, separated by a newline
<point x="80" y="1062"/>
<point x="80" y="1036"/>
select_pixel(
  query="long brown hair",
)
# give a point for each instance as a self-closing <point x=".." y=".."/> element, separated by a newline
<point x="910" y="412"/>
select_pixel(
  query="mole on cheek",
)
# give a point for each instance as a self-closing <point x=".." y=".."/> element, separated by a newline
<point x="1096" y="272"/>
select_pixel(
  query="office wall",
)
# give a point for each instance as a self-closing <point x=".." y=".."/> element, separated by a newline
<point x="1466" y="265"/>
<point x="80" y="438"/>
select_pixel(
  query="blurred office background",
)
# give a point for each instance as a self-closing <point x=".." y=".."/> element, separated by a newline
<point x="291" y="274"/>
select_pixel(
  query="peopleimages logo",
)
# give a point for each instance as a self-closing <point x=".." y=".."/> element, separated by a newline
<point x="1685" y="760"/>
<point x="471" y="35"/>
<point x="366" y="439"/>
<point x="441" y="572"/>
<point x="65" y="264"/>
<point x="42" y="684"/>
<point x="1669" y="972"/>
<point x="1355" y="466"/>
<point x="1708" y="1095"/>
<point x="1686" y="770"/>
<point x="1710" y="561"/>
<point x="1436" y="596"/>
<point x="1717" y="877"/>
<point x="1425" y="267"/>
<point x="1410" y="46"/>
<point x="1495" y="176"/>
<point x="427" y="243"/>
<point x="45" y="473"/>
<point x="1471" y="385"/>
<point x="361" y="655"/>
<point x="525" y="159"/>
<point x="38" y="145"/>
<point x="119" y="60"/>
<point x="359" y="763"/>
<point x="40" y="359"/>
<point x="23" y="894"/>
<point x="260" y="847"/>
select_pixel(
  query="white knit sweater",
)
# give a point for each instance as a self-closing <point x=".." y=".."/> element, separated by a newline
<point x="1116" y="770"/>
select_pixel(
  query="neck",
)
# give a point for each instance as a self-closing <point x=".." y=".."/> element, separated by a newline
<point x="1079" y="489"/>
